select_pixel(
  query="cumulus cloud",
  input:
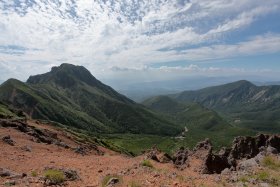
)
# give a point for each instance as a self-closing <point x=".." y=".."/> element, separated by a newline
<point x="126" y="34"/>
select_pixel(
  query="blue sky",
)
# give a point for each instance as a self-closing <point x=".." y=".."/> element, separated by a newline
<point x="141" y="40"/>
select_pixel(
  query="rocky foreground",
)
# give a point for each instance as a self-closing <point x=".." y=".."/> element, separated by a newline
<point x="35" y="154"/>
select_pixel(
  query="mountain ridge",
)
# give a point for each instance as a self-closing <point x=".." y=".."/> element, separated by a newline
<point x="254" y="105"/>
<point x="70" y="95"/>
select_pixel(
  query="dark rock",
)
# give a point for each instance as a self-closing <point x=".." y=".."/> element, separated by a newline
<point x="5" y="172"/>
<point x="8" y="140"/>
<point x="49" y="133"/>
<point x="70" y="175"/>
<point x="244" y="147"/>
<point x="158" y="156"/>
<point x="26" y="148"/>
<point x="206" y="144"/>
<point x="152" y="154"/>
<point x="215" y="164"/>
<point x="212" y="163"/>
<point x="112" y="182"/>
<point x="80" y="150"/>
<point x="10" y="183"/>
<point x="24" y="175"/>
<point x="62" y="144"/>
<point x="23" y="128"/>
<point x="180" y="157"/>
<point x="274" y="141"/>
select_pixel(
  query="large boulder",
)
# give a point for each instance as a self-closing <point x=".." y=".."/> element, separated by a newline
<point x="215" y="164"/>
<point x="180" y="158"/>
<point x="244" y="147"/>
<point x="212" y="163"/>
<point x="274" y="141"/>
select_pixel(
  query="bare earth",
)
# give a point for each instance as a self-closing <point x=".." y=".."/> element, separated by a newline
<point x="91" y="168"/>
<point x="29" y="165"/>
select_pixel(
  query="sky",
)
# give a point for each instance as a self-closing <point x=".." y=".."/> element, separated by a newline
<point x="142" y="40"/>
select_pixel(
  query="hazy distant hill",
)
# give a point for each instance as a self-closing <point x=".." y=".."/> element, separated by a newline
<point x="72" y="96"/>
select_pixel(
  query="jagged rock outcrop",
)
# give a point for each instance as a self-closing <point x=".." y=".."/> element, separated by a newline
<point x="180" y="158"/>
<point x="274" y="141"/>
<point x="212" y="163"/>
<point x="250" y="149"/>
<point x="158" y="156"/>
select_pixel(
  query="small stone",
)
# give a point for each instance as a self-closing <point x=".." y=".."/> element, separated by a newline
<point x="226" y="172"/>
<point x="112" y="181"/>
<point x="5" y="173"/>
<point x="264" y="184"/>
<point x="10" y="183"/>
<point x="8" y="140"/>
<point x="26" y="148"/>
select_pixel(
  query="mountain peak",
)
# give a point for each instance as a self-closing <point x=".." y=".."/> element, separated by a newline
<point x="244" y="82"/>
<point x="65" y="75"/>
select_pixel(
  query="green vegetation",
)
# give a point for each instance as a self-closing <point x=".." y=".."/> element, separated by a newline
<point x="243" y="104"/>
<point x="5" y="112"/>
<point x="55" y="176"/>
<point x="271" y="163"/>
<point x="201" y="123"/>
<point x="109" y="177"/>
<point x="71" y="96"/>
<point x="9" y="183"/>
<point x="134" y="184"/>
<point x="96" y="113"/>
<point x="34" y="174"/>
<point x="147" y="163"/>
<point x="268" y="174"/>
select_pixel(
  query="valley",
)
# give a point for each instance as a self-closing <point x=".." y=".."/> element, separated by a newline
<point x="68" y="125"/>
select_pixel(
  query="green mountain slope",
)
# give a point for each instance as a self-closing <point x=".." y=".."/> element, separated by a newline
<point x="192" y="115"/>
<point x="200" y="122"/>
<point x="255" y="107"/>
<point x="70" y="95"/>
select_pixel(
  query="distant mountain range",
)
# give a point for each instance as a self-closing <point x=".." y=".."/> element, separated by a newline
<point x="70" y="95"/>
<point x="143" y="90"/>
<point x="241" y="102"/>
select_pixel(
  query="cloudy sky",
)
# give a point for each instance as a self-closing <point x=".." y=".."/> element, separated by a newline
<point x="141" y="39"/>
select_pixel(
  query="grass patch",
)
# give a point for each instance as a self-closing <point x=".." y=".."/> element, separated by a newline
<point x="271" y="163"/>
<point x="147" y="163"/>
<point x="244" y="179"/>
<point x="263" y="176"/>
<point x="34" y="174"/>
<point x="55" y="176"/>
<point x="9" y="184"/>
<point x="134" y="184"/>
<point x="108" y="178"/>
<point x="268" y="176"/>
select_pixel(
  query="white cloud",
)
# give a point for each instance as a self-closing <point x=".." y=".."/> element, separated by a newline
<point x="127" y="34"/>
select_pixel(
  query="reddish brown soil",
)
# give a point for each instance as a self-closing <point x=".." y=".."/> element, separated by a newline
<point x="91" y="168"/>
